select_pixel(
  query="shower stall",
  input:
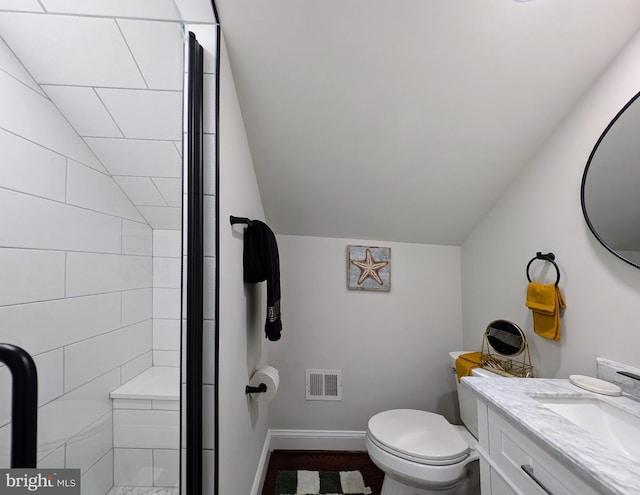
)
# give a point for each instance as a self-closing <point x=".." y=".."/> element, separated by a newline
<point x="94" y="138"/>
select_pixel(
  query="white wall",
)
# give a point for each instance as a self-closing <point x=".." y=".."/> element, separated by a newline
<point x="541" y="212"/>
<point x="76" y="293"/>
<point x="391" y="346"/>
<point x="243" y="422"/>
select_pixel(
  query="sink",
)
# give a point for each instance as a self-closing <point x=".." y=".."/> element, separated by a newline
<point x="612" y="425"/>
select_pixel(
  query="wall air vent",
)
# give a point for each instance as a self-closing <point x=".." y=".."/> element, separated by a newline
<point x="323" y="385"/>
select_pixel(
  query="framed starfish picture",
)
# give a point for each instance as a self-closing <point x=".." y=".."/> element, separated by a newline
<point x="369" y="268"/>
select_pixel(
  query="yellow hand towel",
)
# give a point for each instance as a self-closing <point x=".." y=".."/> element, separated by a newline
<point x="541" y="298"/>
<point x="466" y="362"/>
<point x="545" y="302"/>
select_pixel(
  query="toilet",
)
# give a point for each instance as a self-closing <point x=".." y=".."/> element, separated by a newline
<point x="421" y="453"/>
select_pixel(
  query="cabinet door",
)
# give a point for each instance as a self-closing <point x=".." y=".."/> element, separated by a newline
<point x="527" y="466"/>
<point x="499" y="486"/>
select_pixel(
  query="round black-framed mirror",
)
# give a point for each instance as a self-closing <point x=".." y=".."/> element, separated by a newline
<point x="506" y="338"/>
<point x="610" y="190"/>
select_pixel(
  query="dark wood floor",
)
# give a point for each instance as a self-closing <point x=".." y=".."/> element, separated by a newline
<point x="322" y="460"/>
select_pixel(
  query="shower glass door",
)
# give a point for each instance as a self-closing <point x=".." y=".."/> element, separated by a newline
<point x="91" y="189"/>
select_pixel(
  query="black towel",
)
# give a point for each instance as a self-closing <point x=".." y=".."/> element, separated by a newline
<point x="261" y="262"/>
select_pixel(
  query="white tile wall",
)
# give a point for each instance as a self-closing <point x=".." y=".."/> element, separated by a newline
<point x="22" y="5"/>
<point x="91" y="273"/>
<point x="209" y="207"/>
<point x="20" y="267"/>
<point x="53" y="460"/>
<point x="166" y="335"/>
<point x="208" y="477"/>
<point x="38" y="327"/>
<point x="147" y="39"/>
<point x="141" y="190"/>
<point x="209" y="288"/>
<point x="88" y="446"/>
<point x="76" y="55"/>
<point x="167" y="272"/>
<point x="138" y="460"/>
<point x="116" y="86"/>
<point x="166" y="303"/>
<point x="78" y="258"/>
<point x="165" y="467"/>
<point x="137" y="238"/>
<point x="208" y="418"/>
<point x="166" y="405"/>
<point x="75" y="102"/>
<point x="50" y="381"/>
<point x="98" y="192"/>
<point x="209" y="123"/>
<point x="64" y="418"/>
<point x="196" y="12"/>
<point x="98" y="480"/>
<point x="170" y="190"/>
<point x="136" y="157"/>
<point x="166" y="218"/>
<point x="150" y="9"/>
<point x="137" y="305"/>
<point x="166" y="358"/>
<point x="12" y="66"/>
<point x="209" y="150"/>
<point x="30" y="168"/>
<point x="50" y="375"/>
<point x="133" y="467"/>
<point x="154" y="429"/>
<point x="167" y="243"/>
<point x="50" y="129"/>
<point x="132" y="403"/>
<point x="43" y="224"/>
<point x="144" y="114"/>
<point x="136" y="366"/>
<point x="92" y="357"/>
<point x="82" y="226"/>
<point x="208" y="371"/>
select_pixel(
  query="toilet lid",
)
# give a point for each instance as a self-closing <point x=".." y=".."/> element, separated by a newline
<point x="419" y="436"/>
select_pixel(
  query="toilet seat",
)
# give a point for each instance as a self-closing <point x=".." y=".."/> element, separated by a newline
<point x="418" y="436"/>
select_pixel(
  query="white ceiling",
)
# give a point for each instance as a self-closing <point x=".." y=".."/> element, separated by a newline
<point x="118" y="82"/>
<point x="406" y="120"/>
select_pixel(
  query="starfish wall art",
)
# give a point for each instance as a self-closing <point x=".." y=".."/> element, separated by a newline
<point x="369" y="268"/>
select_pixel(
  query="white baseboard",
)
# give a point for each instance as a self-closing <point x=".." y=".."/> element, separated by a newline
<point x="304" y="440"/>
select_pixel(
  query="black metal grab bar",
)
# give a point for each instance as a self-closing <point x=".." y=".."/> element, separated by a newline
<point x="24" y="405"/>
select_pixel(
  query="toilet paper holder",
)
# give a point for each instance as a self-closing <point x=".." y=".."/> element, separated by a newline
<point x="260" y="389"/>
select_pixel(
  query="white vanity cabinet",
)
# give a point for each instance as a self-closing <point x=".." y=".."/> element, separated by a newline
<point x="511" y="463"/>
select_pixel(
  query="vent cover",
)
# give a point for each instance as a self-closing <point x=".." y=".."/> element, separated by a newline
<point x="324" y="385"/>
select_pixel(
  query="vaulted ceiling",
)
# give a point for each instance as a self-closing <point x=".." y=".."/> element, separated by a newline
<point x="406" y="120"/>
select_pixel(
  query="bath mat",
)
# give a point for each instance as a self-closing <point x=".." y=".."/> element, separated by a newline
<point x="320" y="483"/>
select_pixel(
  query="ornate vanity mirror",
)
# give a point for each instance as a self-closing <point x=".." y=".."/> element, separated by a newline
<point x="609" y="194"/>
<point x="502" y="341"/>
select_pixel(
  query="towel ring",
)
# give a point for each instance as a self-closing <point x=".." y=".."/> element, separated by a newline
<point x="550" y="257"/>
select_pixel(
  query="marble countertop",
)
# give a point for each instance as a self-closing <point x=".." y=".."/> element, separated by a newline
<point x="606" y="469"/>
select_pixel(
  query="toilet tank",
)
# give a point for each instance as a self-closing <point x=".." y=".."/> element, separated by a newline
<point x="466" y="398"/>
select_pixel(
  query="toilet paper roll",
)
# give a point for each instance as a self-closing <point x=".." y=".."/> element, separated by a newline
<point x="270" y="377"/>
